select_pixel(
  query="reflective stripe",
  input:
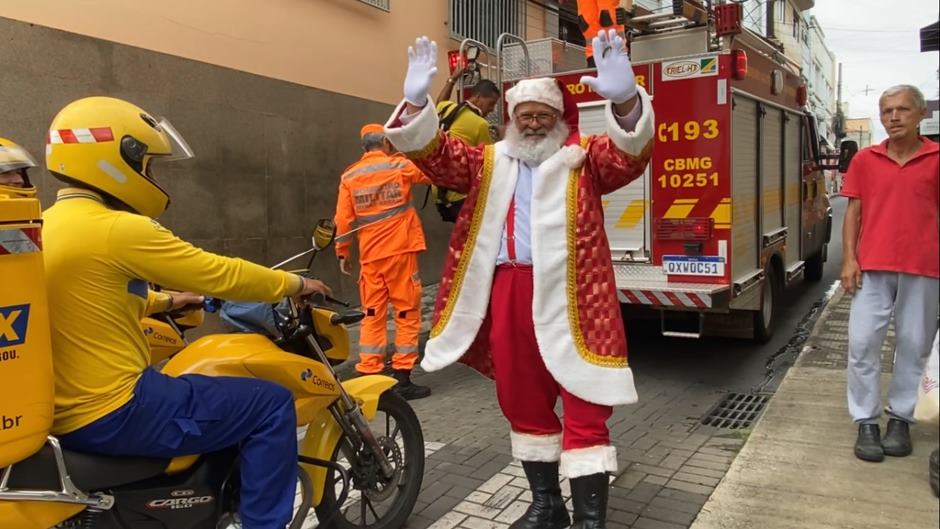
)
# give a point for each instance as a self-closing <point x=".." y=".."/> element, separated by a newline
<point x="22" y="240"/>
<point x="363" y="220"/>
<point x="404" y="349"/>
<point x="384" y="166"/>
<point x="372" y="349"/>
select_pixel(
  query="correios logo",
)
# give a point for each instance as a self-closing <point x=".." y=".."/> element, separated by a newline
<point x="681" y="69"/>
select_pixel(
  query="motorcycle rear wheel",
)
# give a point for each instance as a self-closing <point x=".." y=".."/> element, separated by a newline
<point x="373" y="501"/>
<point x="302" y="503"/>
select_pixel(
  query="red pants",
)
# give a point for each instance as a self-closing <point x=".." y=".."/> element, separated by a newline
<point x="392" y="279"/>
<point x="525" y="389"/>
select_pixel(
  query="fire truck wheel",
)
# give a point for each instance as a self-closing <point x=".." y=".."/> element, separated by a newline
<point x="813" y="270"/>
<point x="765" y="319"/>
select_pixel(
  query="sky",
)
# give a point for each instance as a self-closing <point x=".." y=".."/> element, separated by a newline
<point x="878" y="44"/>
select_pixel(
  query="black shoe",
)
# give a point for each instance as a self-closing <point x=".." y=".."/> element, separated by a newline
<point x="868" y="445"/>
<point x="406" y="389"/>
<point x="547" y="510"/>
<point x="897" y="441"/>
<point x="934" y="471"/>
<point x="589" y="499"/>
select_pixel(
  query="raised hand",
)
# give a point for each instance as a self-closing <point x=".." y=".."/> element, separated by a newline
<point x="615" y="79"/>
<point x="422" y="67"/>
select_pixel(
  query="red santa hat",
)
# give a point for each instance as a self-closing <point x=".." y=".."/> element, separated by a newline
<point x="550" y="92"/>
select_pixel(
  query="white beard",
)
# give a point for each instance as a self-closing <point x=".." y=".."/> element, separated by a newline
<point x="534" y="150"/>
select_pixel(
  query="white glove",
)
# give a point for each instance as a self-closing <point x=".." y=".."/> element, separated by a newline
<point x="615" y="79"/>
<point x="422" y="67"/>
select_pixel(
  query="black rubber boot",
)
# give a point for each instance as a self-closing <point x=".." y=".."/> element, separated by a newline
<point x="589" y="499"/>
<point x="868" y="444"/>
<point x="547" y="510"/>
<point x="897" y="441"/>
<point x="406" y="389"/>
<point x="934" y="471"/>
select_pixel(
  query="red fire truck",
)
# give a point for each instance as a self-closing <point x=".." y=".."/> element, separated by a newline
<point x="733" y="207"/>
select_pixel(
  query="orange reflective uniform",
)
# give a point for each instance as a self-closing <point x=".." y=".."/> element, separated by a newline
<point x="595" y="15"/>
<point x="375" y="198"/>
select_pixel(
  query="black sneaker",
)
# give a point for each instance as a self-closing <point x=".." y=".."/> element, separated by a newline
<point x="868" y="445"/>
<point x="897" y="441"/>
<point x="407" y="389"/>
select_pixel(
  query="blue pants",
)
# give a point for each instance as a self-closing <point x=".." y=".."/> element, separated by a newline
<point x="195" y="414"/>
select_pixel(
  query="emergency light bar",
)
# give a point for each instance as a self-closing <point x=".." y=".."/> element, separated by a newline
<point x="688" y="229"/>
<point x="454" y="60"/>
<point x="738" y="64"/>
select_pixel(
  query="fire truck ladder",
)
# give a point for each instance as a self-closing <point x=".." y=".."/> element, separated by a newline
<point x="521" y="69"/>
<point x="661" y="22"/>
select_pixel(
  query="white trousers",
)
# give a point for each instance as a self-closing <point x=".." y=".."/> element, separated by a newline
<point x="914" y="300"/>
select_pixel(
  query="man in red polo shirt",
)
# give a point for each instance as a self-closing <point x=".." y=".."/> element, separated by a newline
<point x="890" y="244"/>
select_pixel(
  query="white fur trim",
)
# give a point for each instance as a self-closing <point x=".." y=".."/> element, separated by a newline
<point x="473" y="299"/>
<point x="572" y="156"/>
<point x="528" y="447"/>
<point x="418" y="133"/>
<point x="587" y="461"/>
<point x="553" y="329"/>
<point x="632" y="143"/>
<point x="542" y="90"/>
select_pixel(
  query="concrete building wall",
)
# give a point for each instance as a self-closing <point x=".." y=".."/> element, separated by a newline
<point x="343" y="46"/>
<point x="788" y="29"/>
<point x="268" y="152"/>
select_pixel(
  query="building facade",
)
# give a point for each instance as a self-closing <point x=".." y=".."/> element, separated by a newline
<point x="859" y="130"/>
<point x="270" y="95"/>
<point x="821" y="80"/>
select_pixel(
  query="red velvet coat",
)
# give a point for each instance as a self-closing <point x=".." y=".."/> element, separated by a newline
<point x="576" y="312"/>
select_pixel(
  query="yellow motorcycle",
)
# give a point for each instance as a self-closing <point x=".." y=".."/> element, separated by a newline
<point x="361" y="455"/>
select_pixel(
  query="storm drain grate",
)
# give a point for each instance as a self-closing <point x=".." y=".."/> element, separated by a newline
<point x="737" y="410"/>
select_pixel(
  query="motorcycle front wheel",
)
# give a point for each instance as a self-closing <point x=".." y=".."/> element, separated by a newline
<point x="374" y="501"/>
<point x="231" y="519"/>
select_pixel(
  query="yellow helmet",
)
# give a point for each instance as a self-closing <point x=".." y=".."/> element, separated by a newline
<point x="109" y="145"/>
<point x="14" y="162"/>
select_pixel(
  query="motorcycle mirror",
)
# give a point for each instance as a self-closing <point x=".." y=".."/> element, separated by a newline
<point x="323" y="234"/>
<point x="472" y="53"/>
<point x="847" y="150"/>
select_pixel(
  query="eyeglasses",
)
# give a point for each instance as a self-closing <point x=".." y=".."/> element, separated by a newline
<point x="544" y="118"/>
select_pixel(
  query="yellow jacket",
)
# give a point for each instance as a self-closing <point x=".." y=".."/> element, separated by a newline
<point x="469" y="126"/>
<point x="98" y="262"/>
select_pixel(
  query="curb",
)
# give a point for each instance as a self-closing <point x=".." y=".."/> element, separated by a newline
<point x="818" y="325"/>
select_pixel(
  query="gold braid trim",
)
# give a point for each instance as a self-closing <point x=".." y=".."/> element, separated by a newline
<point x="574" y="318"/>
<point x="425" y="151"/>
<point x="461" y="272"/>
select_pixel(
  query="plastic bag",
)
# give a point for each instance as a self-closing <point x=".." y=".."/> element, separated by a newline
<point x="928" y="391"/>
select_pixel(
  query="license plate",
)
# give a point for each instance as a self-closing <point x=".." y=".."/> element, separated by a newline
<point x="683" y="265"/>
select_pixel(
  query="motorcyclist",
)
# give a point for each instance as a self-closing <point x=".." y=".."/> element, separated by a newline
<point x="15" y="161"/>
<point x="103" y="246"/>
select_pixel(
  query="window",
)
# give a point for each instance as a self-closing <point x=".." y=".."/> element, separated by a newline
<point x="486" y="20"/>
<point x="796" y="24"/>
<point x="379" y="4"/>
<point x="755" y="16"/>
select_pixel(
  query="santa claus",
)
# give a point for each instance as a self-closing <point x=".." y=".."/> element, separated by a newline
<point x="528" y="293"/>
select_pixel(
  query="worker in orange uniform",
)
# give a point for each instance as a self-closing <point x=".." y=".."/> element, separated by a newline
<point x="375" y="203"/>
<point x="593" y="16"/>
